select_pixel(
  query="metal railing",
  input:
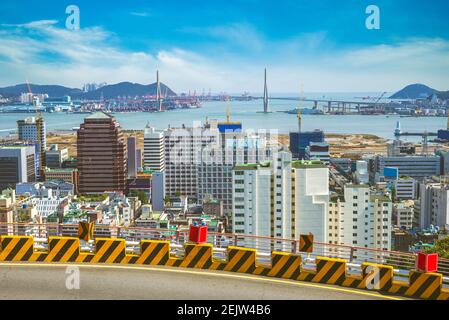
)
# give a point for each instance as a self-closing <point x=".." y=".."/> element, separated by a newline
<point x="401" y="261"/>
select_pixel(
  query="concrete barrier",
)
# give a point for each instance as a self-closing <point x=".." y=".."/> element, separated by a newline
<point x="241" y="260"/>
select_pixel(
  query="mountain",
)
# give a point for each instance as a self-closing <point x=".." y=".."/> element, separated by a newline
<point x="414" y="91"/>
<point x="109" y="91"/>
<point x="444" y="95"/>
<point x="125" y="89"/>
<point x="51" y="90"/>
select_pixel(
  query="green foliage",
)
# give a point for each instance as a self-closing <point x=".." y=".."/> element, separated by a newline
<point x="441" y="247"/>
<point x="91" y="197"/>
<point x="143" y="197"/>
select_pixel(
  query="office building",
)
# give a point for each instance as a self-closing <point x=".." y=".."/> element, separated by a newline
<point x="406" y="188"/>
<point x="132" y="157"/>
<point x="318" y="151"/>
<point x="32" y="130"/>
<point x="281" y="199"/>
<point x="417" y="167"/>
<point x="101" y="150"/>
<point x="153" y="149"/>
<point x="299" y="141"/>
<point x="17" y="164"/>
<point x="66" y="175"/>
<point x="158" y="190"/>
<point x="139" y="162"/>
<point x="360" y="218"/>
<point x="56" y="156"/>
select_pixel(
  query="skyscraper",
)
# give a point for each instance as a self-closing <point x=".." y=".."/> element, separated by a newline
<point x="32" y="130"/>
<point x="101" y="151"/>
<point x="132" y="157"/>
<point x="153" y="149"/>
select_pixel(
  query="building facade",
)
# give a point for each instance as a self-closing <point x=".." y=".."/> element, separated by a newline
<point x="101" y="150"/>
<point x="33" y="130"/>
<point x="360" y="218"/>
<point x="281" y="199"/>
<point x="417" y="167"/>
<point x="154" y="149"/>
<point x="17" y="164"/>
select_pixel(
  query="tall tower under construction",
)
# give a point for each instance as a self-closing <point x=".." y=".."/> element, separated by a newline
<point x="265" y="93"/>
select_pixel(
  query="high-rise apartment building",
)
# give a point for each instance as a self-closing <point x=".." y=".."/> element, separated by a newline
<point x="32" y="130"/>
<point x="17" y="164"/>
<point x="101" y="149"/>
<point x="215" y="163"/>
<point x="360" y="218"/>
<point x="183" y="147"/>
<point x="280" y="198"/>
<point x="434" y="204"/>
<point x="153" y="149"/>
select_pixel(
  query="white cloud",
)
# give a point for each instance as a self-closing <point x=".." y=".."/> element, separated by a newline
<point x="140" y="13"/>
<point x="43" y="53"/>
<point x="33" y="24"/>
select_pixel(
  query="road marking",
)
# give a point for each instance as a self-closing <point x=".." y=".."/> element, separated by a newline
<point x="214" y="274"/>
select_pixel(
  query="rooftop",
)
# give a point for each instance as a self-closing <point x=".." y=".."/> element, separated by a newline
<point x="99" y="115"/>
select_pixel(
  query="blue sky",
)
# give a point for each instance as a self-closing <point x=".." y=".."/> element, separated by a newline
<point x="225" y="45"/>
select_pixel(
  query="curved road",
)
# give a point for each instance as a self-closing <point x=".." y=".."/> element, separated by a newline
<point x="44" y="281"/>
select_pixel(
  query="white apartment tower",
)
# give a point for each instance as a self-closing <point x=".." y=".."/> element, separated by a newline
<point x="361" y="218"/>
<point x="281" y="199"/>
<point x="154" y="149"/>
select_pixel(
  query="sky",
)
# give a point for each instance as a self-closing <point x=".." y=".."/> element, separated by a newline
<point x="321" y="46"/>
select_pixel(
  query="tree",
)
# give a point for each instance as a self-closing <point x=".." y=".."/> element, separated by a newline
<point x="441" y="247"/>
<point x="143" y="197"/>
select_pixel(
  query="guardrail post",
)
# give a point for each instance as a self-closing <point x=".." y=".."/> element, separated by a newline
<point x="351" y="255"/>
<point x="294" y="246"/>
<point x="235" y="240"/>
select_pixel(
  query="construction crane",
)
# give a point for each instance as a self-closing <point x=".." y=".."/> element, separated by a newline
<point x="378" y="99"/>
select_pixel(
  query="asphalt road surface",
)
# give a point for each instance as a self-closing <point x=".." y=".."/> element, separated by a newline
<point x="40" y="281"/>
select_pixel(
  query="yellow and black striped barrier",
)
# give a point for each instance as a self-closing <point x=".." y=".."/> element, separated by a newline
<point x="424" y="285"/>
<point x="16" y="248"/>
<point x="243" y="260"/>
<point x="328" y="271"/>
<point x="62" y="249"/>
<point x="374" y="277"/>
